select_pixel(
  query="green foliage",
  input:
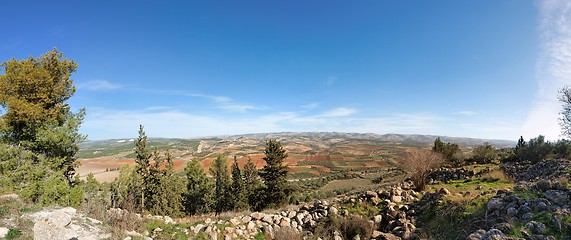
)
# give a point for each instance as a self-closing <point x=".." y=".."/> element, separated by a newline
<point x="450" y="151"/>
<point x="535" y="150"/>
<point x="238" y="188"/>
<point x="274" y="175"/>
<point x="165" y="189"/>
<point x="222" y="193"/>
<point x="39" y="132"/>
<point x="125" y="190"/>
<point x="35" y="91"/>
<point x="485" y="153"/>
<point x="199" y="197"/>
<point x="13" y="234"/>
<point x="252" y="185"/>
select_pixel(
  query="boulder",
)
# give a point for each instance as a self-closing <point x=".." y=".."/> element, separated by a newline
<point x="495" y="203"/>
<point x="4" y="231"/>
<point x="493" y="234"/>
<point x="543" y="185"/>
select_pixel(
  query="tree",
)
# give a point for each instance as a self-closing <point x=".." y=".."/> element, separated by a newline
<point x="35" y="91"/>
<point x="536" y="150"/>
<point x="142" y="162"/>
<point x="199" y="190"/>
<point x="450" y="151"/>
<point x="485" y="153"/>
<point x="565" y="119"/>
<point x="252" y="184"/>
<point x="222" y="190"/>
<point x="419" y="163"/>
<point x="274" y="175"/>
<point x="39" y="124"/>
<point x="238" y="188"/>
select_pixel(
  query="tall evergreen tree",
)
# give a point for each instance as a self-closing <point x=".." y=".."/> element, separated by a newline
<point x="274" y="175"/>
<point x="238" y="188"/>
<point x="199" y="196"/>
<point x="252" y="184"/>
<point x="142" y="163"/>
<point x="222" y="190"/>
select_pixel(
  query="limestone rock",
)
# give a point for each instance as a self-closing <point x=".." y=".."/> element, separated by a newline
<point x="4" y="231"/>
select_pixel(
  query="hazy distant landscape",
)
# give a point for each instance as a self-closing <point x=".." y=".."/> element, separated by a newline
<point x="310" y="154"/>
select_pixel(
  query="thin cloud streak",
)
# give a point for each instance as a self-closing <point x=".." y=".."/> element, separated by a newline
<point x="98" y="85"/>
<point x="553" y="68"/>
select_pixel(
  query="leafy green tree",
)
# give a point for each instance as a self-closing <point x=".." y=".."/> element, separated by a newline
<point x="485" y="153"/>
<point x="562" y="149"/>
<point x="536" y="150"/>
<point x="199" y="197"/>
<point x="40" y="129"/>
<point x="142" y="163"/>
<point x="126" y="189"/>
<point x="274" y="175"/>
<point x="238" y="188"/>
<point x="35" y="91"/>
<point x="565" y="119"/>
<point x="450" y="151"/>
<point x="222" y="190"/>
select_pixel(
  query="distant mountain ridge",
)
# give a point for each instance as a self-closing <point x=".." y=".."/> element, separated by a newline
<point x="414" y="139"/>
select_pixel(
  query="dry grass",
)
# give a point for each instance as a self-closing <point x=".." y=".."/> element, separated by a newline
<point x="287" y="233"/>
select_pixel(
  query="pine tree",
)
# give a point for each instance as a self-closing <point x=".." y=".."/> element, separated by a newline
<point x="222" y="194"/>
<point x="142" y="163"/>
<point x="238" y="188"/>
<point x="252" y="184"/>
<point x="274" y="175"/>
<point x="199" y="197"/>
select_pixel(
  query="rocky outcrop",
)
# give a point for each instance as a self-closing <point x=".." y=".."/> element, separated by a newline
<point x="65" y="223"/>
<point x="538" y="207"/>
<point x="546" y="169"/>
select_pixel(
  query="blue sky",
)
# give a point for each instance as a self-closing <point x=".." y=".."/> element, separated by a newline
<point x="484" y="69"/>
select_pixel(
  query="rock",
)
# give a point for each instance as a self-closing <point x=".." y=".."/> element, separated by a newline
<point x="291" y="214"/>
<point x="12" y="196"/>
<point x="557" y="197"/>
<point x="511" y="211"/>
<point x="536" y="227"/>
<point x="387" y="236"/>
<point x="396" y="199"/>
<point x="257" y="215"/>
<point x="59" y="219"/>
<point x="378" y="219"/>
<point x="543" y="185"/>
<point x="493" y="234"/>
<point x="523" y="210"/>
<point x="371" y="194"/>
<point x="4" y="231"/>
<point x="197" y="228"/>
<point x="333" y="210"/>
<point x="235" y="221"/>
<point x="495" y="203"/>
<point x="267" y="218"/>
<point x="444" y="191"/>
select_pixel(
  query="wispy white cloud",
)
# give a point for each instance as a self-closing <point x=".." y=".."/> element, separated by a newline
<point x="553" y="69"/>
<point x="97" y="85"/>
<point x="339" y="112"/>
<point x="466" y="113"/>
